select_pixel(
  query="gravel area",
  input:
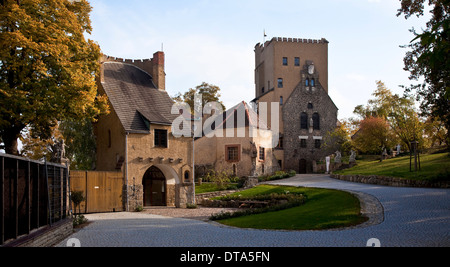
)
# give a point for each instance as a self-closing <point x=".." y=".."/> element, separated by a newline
<point x="413" y="217"/>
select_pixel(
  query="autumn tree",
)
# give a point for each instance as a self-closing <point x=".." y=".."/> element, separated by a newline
<point x="47" y="67"/>
<point x="429" y="58"/>
<point x="374" y="136"/>
<point x="339" y="139"/>
<point x="398" y="111"/>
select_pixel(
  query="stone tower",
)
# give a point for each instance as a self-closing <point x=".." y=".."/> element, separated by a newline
<point x="294" y="72"/>
<point x="154" y="66"/>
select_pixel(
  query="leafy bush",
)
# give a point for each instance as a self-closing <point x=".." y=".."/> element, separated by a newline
<point x="139" y="209"/>
<point x="221" y="179"/>
<point x="79" y="220"/>
<point x="293" y="200"/>
<point x="278" y="176"/>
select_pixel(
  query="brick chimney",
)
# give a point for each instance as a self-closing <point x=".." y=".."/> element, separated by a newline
<point x="158" y="73"/>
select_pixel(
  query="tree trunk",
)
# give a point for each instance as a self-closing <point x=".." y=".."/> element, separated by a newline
<point x="10" y="137"/>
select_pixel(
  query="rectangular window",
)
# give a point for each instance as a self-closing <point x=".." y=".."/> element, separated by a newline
<point x="233" y="153"/>
<point x="280" y="83"/>
<point x="161" y="138"/>
<point x="297" y="61"/>
<point x="281" y="100"/>
<point x="303" y="143"/>
<point x="318" y="143"/>
<point x="285" y="61"/>
<point x="262" y="154"/>
<point x="280" y="143"/>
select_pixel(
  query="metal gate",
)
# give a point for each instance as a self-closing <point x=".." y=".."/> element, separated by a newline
<point x="33" y="195"/>
<point x="102" y="190"/>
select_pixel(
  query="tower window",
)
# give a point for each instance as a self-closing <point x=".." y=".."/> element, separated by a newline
<point x="303" y="143"/>
<point x="307" y="82"/>
<point x="313" y="82"/>
<point x="285" y="61"/>
<point x="304" y="121"/>
<point x="318" y="143"/>
<point x="316" y="121"/>
<point x="280" y="83"/>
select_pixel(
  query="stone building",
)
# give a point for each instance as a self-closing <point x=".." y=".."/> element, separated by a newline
<point x="136" y="138"/>
<point x="242" y="150"/>
<point x="294" y="72"/>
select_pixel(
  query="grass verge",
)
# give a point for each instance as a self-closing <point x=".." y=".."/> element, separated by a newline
<point x="323" y="209"/>
<point x="433" y="168"/>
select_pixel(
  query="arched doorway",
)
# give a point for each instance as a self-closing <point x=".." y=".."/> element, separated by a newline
<point x="155" y="188"/>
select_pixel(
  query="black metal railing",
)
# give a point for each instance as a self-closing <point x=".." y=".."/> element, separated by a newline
<point x="33" y="195"/>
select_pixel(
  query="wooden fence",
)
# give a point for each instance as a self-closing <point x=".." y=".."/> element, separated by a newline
<point x="102" y="190"/>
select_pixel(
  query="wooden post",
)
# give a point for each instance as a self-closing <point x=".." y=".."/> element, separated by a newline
<point x="16" y="201"/>
<point x="28" y="197"/>
<point x="2" y="202"/>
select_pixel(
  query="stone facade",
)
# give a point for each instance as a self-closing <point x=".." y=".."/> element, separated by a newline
<point x="303" y="140"/>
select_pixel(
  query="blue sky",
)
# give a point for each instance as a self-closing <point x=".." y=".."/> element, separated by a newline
<point x="213" y="41"/>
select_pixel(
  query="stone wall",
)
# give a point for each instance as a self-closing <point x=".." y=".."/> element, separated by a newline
<point x="45" y="237"/>
<point x="391" y="181"/>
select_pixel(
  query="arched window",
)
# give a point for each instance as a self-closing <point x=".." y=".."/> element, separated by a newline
<point x="304" y="121"/>
<point x="307" y="82"/>
<point x="316" y="121"/>
<point x="310" y="106"/>
<point x="187" y="176"/>
<point x="313" y="82"/>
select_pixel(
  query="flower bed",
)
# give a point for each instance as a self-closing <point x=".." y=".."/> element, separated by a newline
<point x="254" y="205"/>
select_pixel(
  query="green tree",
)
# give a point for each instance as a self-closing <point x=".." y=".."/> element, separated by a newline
<point x="210" y="93"/>
<point x="80" y="143"/>
<point x="339" y="139"/>
<point x="429" y="58"/>
<point x="47" y="67"/>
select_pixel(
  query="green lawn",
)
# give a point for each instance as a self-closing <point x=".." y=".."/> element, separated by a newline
<point x="324" y="209"/>
<point x="434" y="167"/>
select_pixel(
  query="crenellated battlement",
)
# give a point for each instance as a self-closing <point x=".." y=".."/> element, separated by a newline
<point x="293" y="40"/>
<point x="107" y="58"/>
<point x="153" y="66"/>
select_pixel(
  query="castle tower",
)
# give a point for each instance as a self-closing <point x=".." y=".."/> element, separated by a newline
<point x="294" y="72"/>
<point x="154" y="66"/>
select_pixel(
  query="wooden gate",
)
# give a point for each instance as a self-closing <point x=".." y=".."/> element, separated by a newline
<point x="102" y="190"/>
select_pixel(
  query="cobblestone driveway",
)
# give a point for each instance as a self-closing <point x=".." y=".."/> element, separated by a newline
<point x="413" y="217"/>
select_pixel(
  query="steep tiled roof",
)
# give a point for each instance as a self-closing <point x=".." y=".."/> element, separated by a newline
<point x="231" y="115"/>
<point x="135" y="98"/>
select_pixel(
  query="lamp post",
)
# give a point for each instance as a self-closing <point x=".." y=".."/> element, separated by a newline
<point x="193" y="166"/>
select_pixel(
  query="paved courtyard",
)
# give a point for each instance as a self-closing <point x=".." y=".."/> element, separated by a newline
<point x="413" y="217"/>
